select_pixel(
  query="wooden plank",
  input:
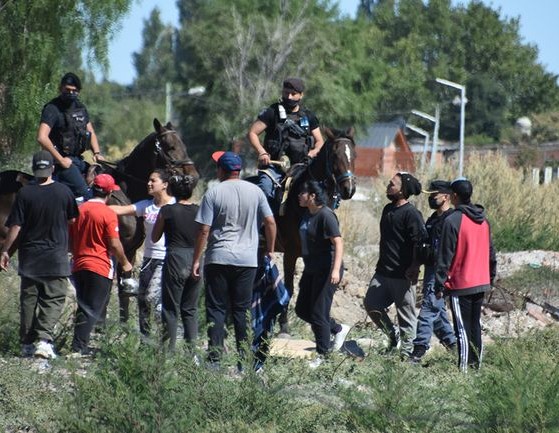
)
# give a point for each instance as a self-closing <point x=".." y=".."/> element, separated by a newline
<point x="537" y="313"/>
<point x="292" y="348"/>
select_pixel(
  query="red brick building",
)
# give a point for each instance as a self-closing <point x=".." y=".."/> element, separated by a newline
<point x="384" y="151"/>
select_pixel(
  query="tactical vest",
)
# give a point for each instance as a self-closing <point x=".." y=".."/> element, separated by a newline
<point x="291" y="136"/>
<point x="71" y="137"/>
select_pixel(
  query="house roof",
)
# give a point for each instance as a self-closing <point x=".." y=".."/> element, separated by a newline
<point x="380" y="135"/>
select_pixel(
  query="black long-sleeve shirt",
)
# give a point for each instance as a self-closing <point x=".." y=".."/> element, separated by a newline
<point x="401" y="228"/>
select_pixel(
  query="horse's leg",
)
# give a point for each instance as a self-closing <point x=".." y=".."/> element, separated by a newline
<point x="289" y="261"/>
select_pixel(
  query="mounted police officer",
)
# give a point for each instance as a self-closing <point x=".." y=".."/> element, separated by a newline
<point x="66" y="132"/>
<point x="291" y="131"/>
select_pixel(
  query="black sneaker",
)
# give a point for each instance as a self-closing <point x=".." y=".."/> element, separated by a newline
<point x="418" y="353"/>
<point x="449" y="347"/>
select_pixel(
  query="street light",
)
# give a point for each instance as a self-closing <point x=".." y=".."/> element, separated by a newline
<point x="436" y="120"/>
<point x="425" y="143"/>
<point x="462" y="102"/>
<point x="193" y="92"/>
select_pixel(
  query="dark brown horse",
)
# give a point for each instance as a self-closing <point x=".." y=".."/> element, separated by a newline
<point x="333" y="168"/>
<point x="163" y="148"/>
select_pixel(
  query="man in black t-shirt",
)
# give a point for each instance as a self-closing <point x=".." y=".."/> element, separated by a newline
<point x="401" y="229"/>
<point x="66" y="132"/>
<point x="290" y="130"/>
<point x="40" y="216"/>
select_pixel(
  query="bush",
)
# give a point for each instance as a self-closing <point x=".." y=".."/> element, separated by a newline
<point x="517" y="388"/>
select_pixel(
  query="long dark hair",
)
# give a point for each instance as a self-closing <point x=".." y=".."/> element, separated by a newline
<point x="313" y="187"/>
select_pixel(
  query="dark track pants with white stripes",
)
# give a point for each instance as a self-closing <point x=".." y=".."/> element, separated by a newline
<point x="466" y="312"/>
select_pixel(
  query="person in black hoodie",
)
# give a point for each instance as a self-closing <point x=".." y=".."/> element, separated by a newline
<point x="465" y="269"/>
<point x="401" y="230"/>
<point x="432" y="316"/>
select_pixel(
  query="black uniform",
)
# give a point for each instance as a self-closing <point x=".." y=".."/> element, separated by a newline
<point x="288" y="132"/>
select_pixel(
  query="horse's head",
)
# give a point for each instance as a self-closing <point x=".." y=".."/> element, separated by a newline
<point x="171" y="151"/>
<point x="342" y="160"/>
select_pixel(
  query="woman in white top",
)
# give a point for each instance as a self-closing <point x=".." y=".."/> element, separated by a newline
<point x="149" y="295"/>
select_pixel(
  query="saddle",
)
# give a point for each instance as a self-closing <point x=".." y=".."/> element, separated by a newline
<point x="283" y="187"/>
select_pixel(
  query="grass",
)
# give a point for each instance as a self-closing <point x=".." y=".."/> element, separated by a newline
<point x="130" y="386"/>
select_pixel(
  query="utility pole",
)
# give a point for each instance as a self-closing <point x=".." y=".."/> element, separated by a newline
<point x="168" y="102"/>
<point x="436" y="121"/>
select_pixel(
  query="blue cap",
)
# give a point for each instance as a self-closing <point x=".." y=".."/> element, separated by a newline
<point x="229" y="161"/>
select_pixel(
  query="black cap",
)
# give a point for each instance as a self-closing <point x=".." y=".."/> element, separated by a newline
<point x="42" y="164"/>
<point x="71" y="79"/>
<point x="441" y="186"/>
<point x="463" y="188"/>
<point x="410" y="185"/>
<point x="295" y="84"/>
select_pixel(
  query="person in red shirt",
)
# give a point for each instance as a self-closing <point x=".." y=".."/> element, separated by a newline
<point x="94" y="237"/>
<point x="465" y="268"/>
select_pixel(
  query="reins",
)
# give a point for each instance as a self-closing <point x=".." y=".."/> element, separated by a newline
<point x="158" y="151"/>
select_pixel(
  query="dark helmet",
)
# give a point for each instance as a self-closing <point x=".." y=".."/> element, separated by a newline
<point x="71" y="79"/>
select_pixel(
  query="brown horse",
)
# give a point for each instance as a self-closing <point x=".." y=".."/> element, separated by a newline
<point x="333" y="168"/>
<point x="162" y="148"/>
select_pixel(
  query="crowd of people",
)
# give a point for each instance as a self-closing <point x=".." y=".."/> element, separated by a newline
<point x="215" y="246"/>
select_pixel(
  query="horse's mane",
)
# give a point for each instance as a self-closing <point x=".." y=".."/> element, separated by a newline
<point x="139" y="149"/>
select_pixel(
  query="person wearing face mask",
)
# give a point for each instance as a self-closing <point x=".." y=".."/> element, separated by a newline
<point x="290" y="130"/>
<point x="66" y="132"/>
<point x="433" y="317"/>
<point x="401" y="230"/>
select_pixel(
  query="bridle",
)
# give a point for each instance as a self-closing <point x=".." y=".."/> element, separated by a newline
<point x="158" y="150"/>
<point x="331" y="178"/>
<point x="342" y="177"/>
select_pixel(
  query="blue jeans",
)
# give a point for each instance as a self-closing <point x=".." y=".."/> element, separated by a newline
<point x="73" y="177"/>
<point x="269" y="186"/>
<point x="432" y="316"/>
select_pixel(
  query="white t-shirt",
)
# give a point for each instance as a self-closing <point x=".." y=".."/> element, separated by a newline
<point x="149" y="211"/>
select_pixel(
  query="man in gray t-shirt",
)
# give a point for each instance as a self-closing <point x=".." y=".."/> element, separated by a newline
<point x="230" y="217"/>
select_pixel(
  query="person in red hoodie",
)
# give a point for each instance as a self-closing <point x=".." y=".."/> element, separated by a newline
<point x="465" y="269"/>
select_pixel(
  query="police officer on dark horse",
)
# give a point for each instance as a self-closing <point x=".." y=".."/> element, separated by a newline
<point x="290" y="130"/>
<point x="66" y="132"/>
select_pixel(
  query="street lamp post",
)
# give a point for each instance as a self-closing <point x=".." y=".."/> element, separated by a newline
<point x="193" y="92"/>
<point x="436" y="121"/>
<point x="463" y="101"/>
<point x="425" y="143"/>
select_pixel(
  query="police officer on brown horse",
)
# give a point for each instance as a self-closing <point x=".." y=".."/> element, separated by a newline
<point x="66" y="132"/>
<point x="290" y="130"/>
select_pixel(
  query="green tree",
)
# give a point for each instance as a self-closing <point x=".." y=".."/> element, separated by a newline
<point x="38" y="40"/>
<point x="241" y="51"/>
<point x="155" y="62"/>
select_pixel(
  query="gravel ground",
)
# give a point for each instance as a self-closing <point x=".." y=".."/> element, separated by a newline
<point x="359" y="268"/>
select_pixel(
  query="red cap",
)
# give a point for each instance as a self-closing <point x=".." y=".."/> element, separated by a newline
<point x="105" y="182"/>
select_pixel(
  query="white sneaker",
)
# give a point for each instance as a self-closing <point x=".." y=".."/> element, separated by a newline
<point x="27" y="350"/>
<point x="340" y="337"/>
<point x="44" y="349"/>
<point x="316" y="362"/>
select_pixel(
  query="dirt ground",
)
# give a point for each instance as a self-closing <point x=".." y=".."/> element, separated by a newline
<point x="348" y="300"/>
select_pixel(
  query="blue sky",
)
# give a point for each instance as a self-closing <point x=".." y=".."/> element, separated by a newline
<point x="537" y="20"/>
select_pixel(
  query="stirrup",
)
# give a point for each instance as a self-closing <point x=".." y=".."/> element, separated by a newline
<point x="286" y="189"/>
